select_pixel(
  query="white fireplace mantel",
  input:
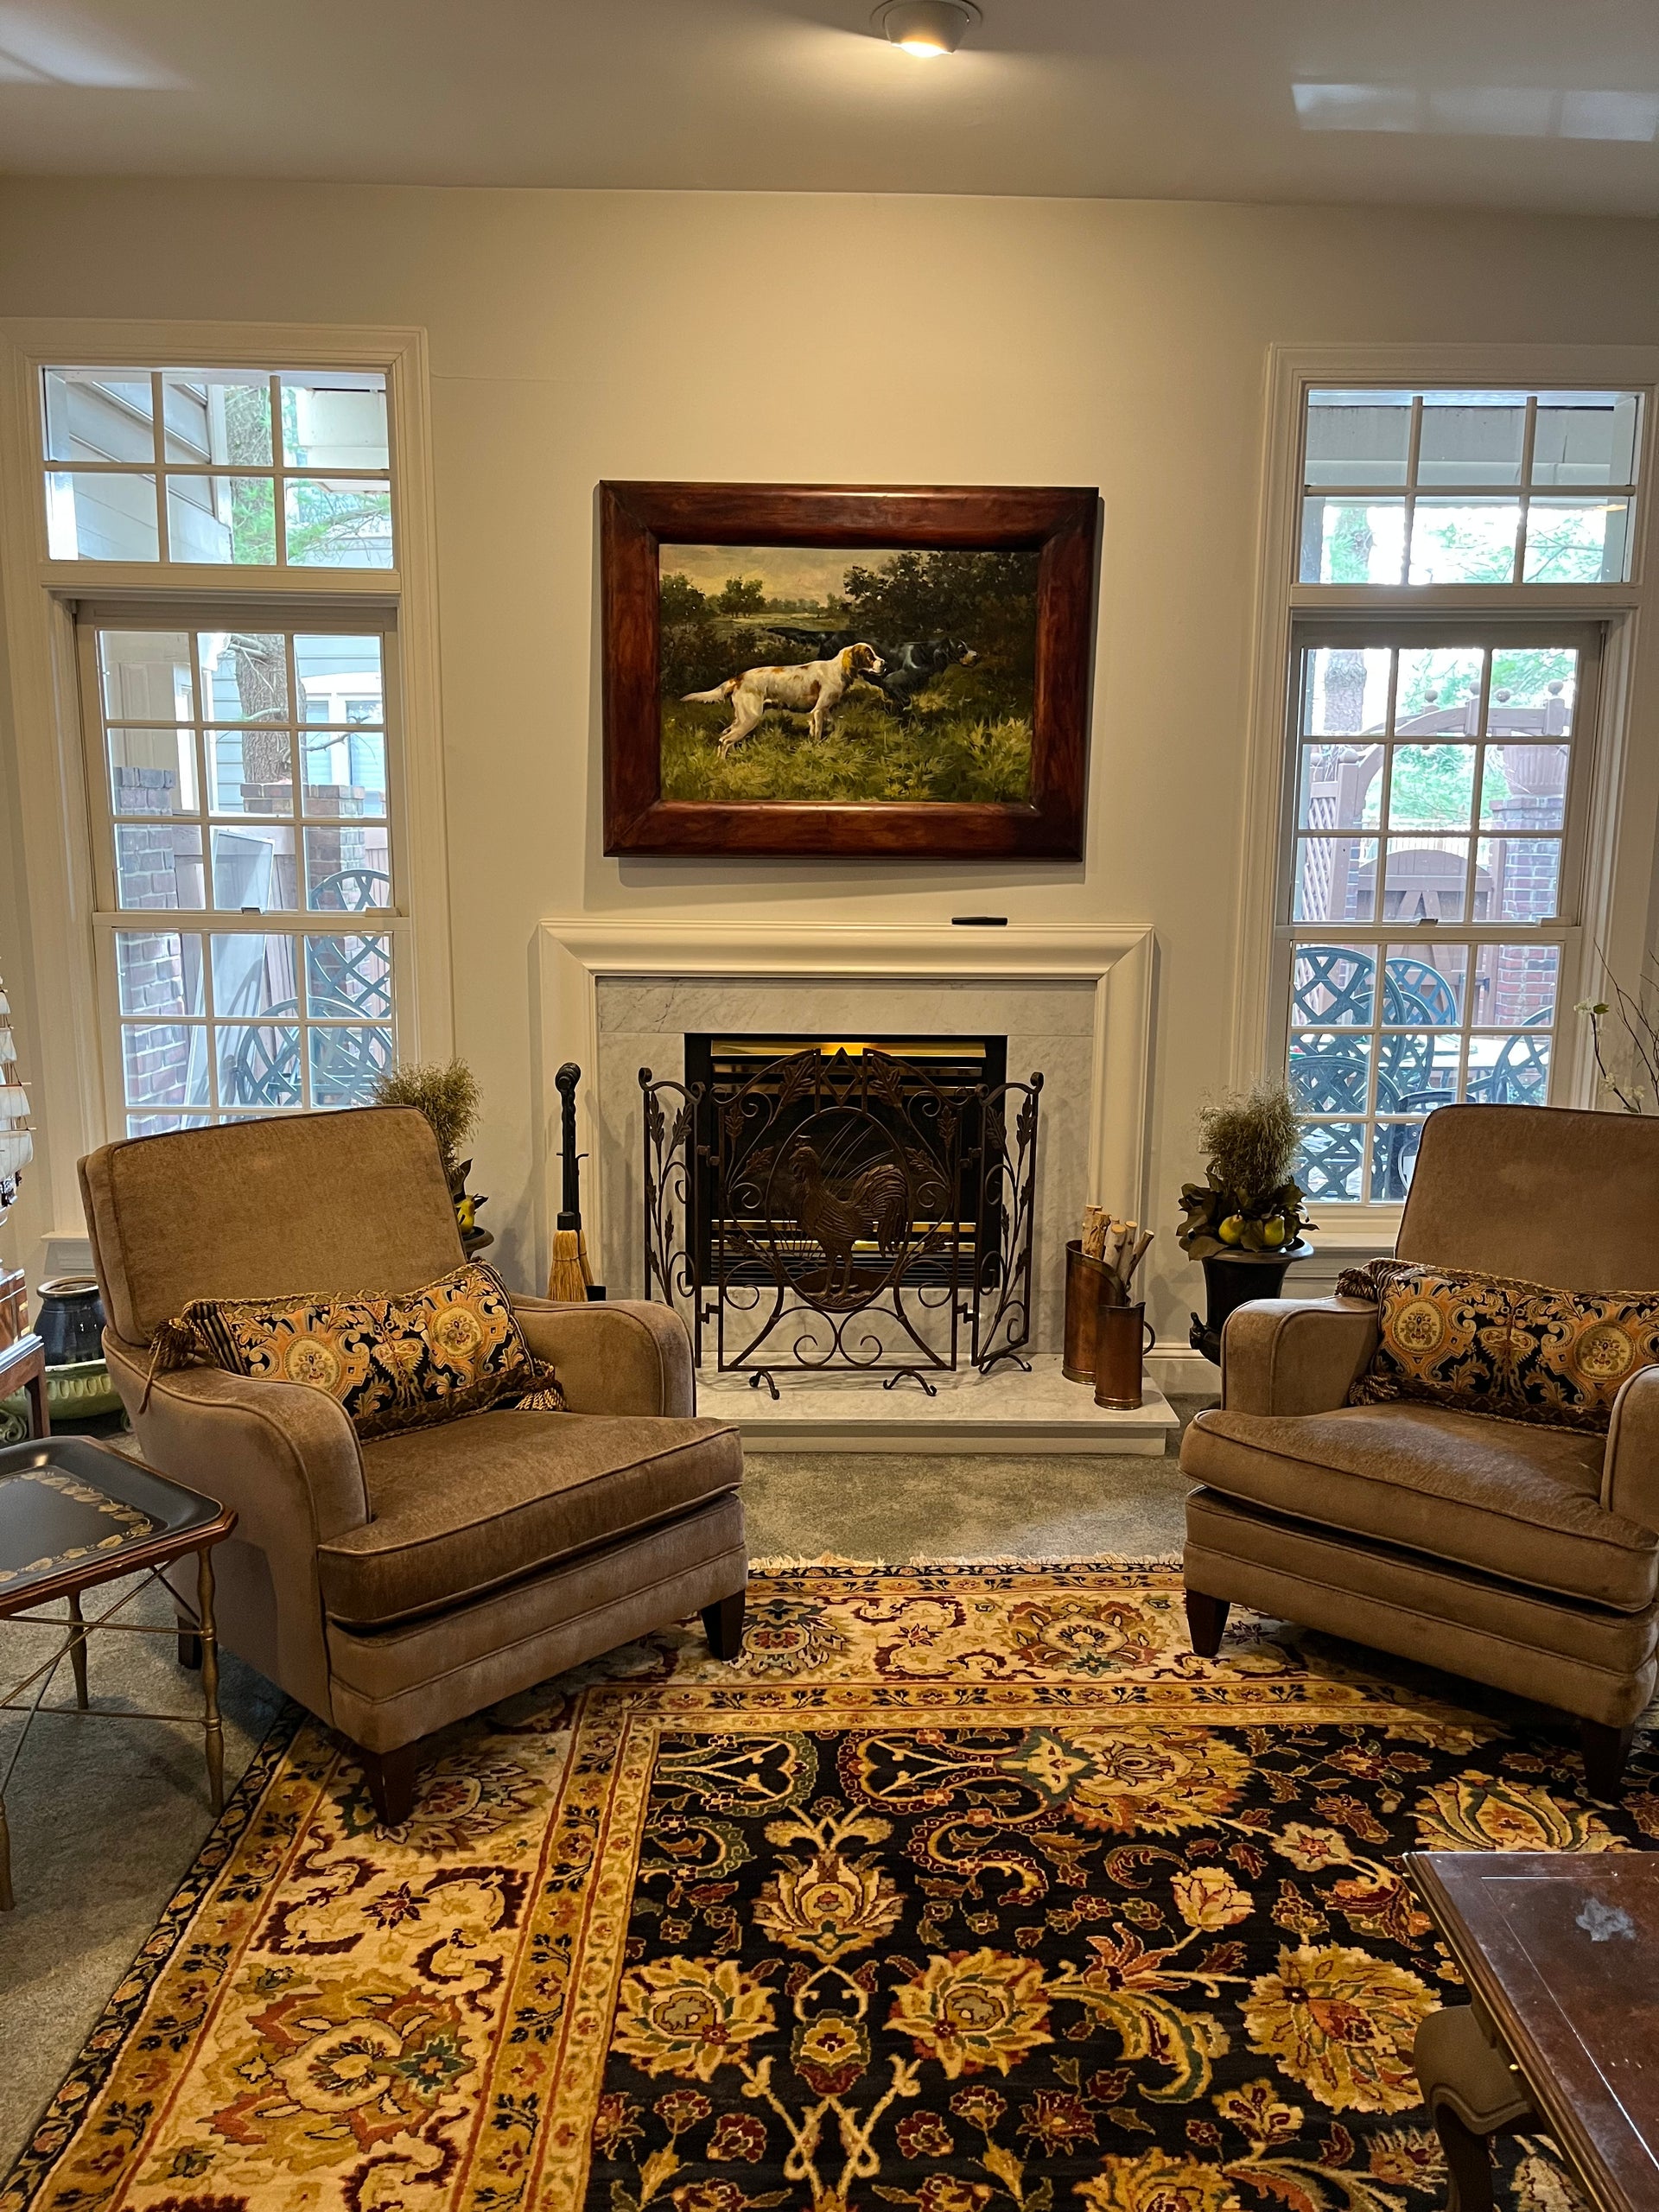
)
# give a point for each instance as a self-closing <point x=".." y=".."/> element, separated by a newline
<point x="576" y="952"/>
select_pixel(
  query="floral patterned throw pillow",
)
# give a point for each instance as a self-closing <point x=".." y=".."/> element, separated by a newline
<point x="457" y="1348"/>
<point x="397" y="1363"/>
<point x="332" y="1344"/>
<point x="1487" y="1343"/>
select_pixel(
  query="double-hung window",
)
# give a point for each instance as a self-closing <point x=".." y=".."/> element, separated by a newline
<point x="247" y="915"/>
<point x="1439" y="757"/>
<point x="243" y="766"/>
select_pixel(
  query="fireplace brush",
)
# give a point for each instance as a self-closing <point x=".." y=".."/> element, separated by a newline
<point x="569" y="1276"/>
<point x="1119" y="1245"/>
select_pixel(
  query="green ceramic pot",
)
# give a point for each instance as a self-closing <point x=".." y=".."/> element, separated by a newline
<point x="80" y="1390"/>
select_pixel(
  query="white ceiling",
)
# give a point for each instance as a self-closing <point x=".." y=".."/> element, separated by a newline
<point x="1535" y="103"/>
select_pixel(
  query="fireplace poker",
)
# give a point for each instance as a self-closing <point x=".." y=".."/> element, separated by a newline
<point x="569" y="1276"/>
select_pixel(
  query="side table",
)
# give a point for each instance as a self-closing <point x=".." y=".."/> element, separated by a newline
<point x="1560" y="1954"/>
<point x="74" y="1513"/>
<point x="22" y="1367"/>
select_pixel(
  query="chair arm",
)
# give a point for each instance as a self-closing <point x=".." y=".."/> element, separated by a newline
<point x="625" y="1358"/>
<point x="1629" y="1474"/>
<point x="274" y="1450"/>
<point x="1295" y="1354"/>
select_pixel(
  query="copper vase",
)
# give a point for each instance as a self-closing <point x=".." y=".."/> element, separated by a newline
<point x="1122" y="1338"/>
<point x="1087" y="1283"/>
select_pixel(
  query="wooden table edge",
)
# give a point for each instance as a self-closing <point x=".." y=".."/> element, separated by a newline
<point x="1558" y="2116"/>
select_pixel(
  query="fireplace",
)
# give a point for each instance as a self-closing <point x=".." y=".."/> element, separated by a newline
<point x="755" y="1067"/>
<point x="862" y="1205"/>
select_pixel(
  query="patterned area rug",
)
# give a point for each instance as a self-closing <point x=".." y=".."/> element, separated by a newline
<point x="969" y="1888"/>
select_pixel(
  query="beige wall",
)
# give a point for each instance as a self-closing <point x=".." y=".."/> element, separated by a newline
<point x="575" y="336"/>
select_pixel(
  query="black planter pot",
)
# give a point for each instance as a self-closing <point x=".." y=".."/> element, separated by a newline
<point x="70" y="1323"/>
<point x="1233" y="1279"/>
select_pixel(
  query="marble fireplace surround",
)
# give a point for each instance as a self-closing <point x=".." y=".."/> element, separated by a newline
<point x="617" y="995"/>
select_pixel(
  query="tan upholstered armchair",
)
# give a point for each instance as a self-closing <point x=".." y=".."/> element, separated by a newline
<point x="1526" y="1557"/>
<point x="396" y="1586"/>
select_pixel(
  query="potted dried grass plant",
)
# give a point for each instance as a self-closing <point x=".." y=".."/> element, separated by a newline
<point x="447" y="1093"/>
<point x="1244" y="1221"/>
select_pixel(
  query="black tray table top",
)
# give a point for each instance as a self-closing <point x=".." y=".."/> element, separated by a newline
<point x="74" y="1513"/>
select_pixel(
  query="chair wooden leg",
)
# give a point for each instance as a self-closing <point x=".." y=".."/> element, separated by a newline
<point x="391" y="1778"/>
<point x="1206" y="1622"/>
<point x="1468" y="2163"/>
<point x="1604" y="1751"/>
<point x="723" y="1624"/>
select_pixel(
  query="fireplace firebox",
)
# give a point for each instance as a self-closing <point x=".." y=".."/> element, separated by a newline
<point x="856" y="1204"/>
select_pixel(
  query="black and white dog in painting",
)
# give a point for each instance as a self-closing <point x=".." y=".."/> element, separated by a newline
<point x="908" y="668"/>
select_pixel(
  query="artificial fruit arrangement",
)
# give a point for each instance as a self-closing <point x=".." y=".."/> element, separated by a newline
<point x="1250" y="1202"/>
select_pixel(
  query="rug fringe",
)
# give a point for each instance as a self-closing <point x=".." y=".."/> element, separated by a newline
<point x="1105" y="1563"/>
<point x="793" y="1562"/>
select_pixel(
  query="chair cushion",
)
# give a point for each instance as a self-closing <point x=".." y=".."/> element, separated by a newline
<point x="1512" y="1500"/>
<point x="1551" y="1193"/>
<point x="1489" y="1344"/>
<point x="467" y="1507"/>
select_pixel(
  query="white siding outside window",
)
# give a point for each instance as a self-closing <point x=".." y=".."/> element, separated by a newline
<point x="238" y="466"/>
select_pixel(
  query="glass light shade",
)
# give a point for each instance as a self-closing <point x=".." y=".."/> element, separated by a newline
<point x="926" y="28"/>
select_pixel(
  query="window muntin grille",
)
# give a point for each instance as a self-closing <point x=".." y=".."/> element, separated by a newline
<point x="245" y="779"/>
<point x="269" y="468"/>
<point x="1459" y="487"/>
<point x="228" y="1027"/>
<point x="1428" y="912"/>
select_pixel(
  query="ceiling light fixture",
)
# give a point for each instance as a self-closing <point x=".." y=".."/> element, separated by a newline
<point x="926" y="28"/>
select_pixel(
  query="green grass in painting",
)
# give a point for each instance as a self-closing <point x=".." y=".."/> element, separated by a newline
<point x="939" y="752"/>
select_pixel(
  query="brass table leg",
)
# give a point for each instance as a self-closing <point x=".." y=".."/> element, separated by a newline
<point x="213" y="1733"/>
<point x="78" y="1649"/>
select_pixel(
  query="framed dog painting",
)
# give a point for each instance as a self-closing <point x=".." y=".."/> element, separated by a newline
<point x="826" y="669"/>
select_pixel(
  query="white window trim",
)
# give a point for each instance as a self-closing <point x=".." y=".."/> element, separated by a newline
<point x="1621" y="900"/>
<point x="70" y="1095"/>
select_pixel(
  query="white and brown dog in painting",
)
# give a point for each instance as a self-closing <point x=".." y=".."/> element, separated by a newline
<point x="812" y="687"/>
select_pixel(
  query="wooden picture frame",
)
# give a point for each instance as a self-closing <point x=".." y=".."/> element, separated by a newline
<point x="1059" y="526"/>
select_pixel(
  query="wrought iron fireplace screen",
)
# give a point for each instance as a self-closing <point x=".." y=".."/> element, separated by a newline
<point x="840" y="1207"/>
<point x="724" y="1064"/>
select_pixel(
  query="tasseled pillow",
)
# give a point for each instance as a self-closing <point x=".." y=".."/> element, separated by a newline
<point x="1489" y="1345"/>
<point x="408" y="1361"/>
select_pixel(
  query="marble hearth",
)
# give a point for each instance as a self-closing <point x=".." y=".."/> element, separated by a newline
<point x="1074" y="1004"/>
<point x="1008" y="1411"/>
